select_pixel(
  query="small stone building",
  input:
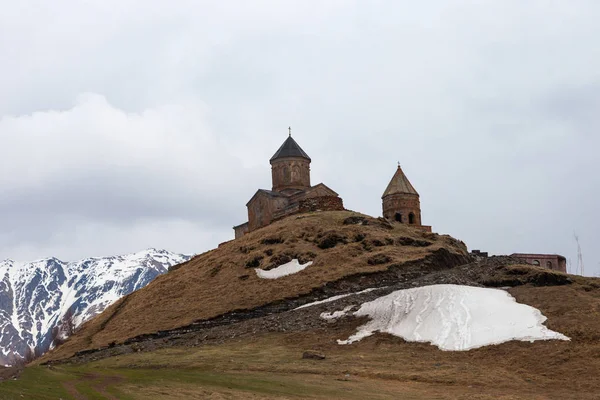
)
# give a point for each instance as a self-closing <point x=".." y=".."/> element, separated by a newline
<point x="551" y="261"/>
<point x="291" y="192"/>
<point x="401" y="202"/>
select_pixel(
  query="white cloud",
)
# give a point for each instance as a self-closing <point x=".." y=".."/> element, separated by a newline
<point x="97" y="168"/>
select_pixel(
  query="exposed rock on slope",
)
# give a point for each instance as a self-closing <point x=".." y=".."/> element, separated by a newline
<point x="348" y="251"/>
<point x="35" y="296"/>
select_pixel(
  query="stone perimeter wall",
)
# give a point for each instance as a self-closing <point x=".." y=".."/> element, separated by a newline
<point x="321" y="203"/>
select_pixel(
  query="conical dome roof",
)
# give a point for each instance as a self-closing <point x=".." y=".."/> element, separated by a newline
<point x="289" y="148"/>
<point x="399" y="184"/>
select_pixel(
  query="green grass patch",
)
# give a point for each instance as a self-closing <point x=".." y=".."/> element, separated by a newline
<point x="137" y="383"/>
<point x="36" y="383"/>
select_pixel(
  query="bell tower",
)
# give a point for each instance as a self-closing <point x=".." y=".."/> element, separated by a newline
<point x="401" y="201"/>
<point x="290" y="167"/>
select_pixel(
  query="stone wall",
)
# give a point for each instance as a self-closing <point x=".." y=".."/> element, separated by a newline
<point x="550" y="261"/>
<point x="261" y="210"/>
<point x="479" y="254"/>
<point x="424" y="228"/>
<point x="290" y="209"/>
<point x="322" y="203"/>
<point x="240" y="230"/>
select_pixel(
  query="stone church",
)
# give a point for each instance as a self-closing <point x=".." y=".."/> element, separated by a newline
<point x="401" y="202"/>
<point x="292" y="193"/>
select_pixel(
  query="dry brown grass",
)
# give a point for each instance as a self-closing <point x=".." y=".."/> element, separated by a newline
<point x="270" y="365"/>
<point x="390" y="367"/>
<point x="220" y="280"/>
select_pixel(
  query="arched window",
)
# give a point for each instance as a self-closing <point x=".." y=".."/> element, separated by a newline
<point x="549" y="264"/>
<point x="536" y="262"/>
<point x="411" y="218"/>
<point x="398" y="217"/>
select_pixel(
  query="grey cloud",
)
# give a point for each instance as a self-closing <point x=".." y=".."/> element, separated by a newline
<point x="490" y="109"/>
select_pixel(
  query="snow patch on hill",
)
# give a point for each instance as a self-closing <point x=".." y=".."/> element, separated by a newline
<point x="332" y="316"/>
<point x="451" y="317"/>
<point x="283" y="270"/>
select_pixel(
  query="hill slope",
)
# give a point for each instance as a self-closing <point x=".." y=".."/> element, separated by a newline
<point x="348" y="251"/>
<point x="223" y="332"/>
<point x="262" y="357"/>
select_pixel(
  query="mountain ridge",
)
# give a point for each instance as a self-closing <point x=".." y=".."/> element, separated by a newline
<point x="36" y="295"/>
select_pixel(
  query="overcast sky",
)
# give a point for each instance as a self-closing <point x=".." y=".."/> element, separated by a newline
<point x="131" y="124"/>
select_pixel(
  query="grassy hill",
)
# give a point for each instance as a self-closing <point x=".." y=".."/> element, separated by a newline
<point x="211" y="329"/>
<point x="270" y="365"/>
<point x="344" y="247"/>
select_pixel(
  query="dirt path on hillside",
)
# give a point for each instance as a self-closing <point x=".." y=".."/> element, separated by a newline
<point x="100" y="384"/>
<point x="70" y="387"/>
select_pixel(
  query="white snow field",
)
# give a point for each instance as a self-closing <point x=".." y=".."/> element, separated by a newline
<point x="283" y="270"/>
<point x="452" y="317"/>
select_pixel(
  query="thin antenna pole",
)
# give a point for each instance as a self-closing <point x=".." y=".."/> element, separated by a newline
<point x="290" y="130"/>
<point x="579" y="256"/>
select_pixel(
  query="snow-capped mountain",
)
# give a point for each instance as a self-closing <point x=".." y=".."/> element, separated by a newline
<point x="35" y="296"/>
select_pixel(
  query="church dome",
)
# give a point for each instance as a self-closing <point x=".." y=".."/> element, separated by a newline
<point x="399" y="185"/>
<point x="289" y="148"/>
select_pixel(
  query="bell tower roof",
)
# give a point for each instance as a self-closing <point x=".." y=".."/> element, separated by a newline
<point x="289" y="148"/>
<point x="399" y="184"/>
